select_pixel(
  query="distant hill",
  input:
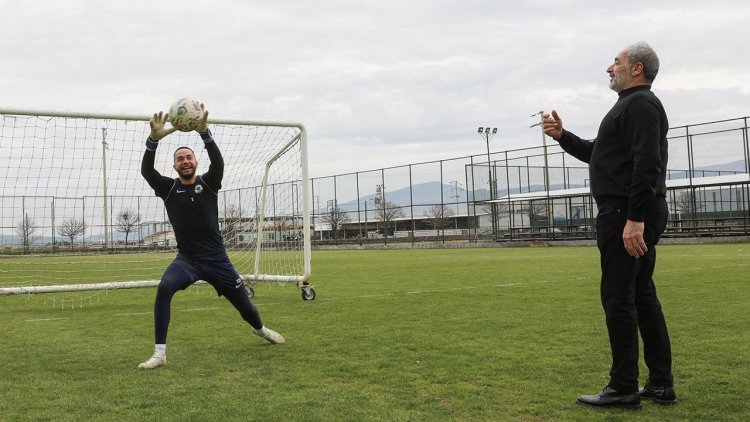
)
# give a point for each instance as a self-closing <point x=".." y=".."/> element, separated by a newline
<point x="428" y="194"/>
<point x="737" y="166"/>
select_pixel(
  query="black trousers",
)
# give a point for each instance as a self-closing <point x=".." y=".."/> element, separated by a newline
<point x="629" y="298"/>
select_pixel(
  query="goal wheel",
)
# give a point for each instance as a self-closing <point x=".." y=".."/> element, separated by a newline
<point x="308" y="293"/>
<point x="250" y="292"/>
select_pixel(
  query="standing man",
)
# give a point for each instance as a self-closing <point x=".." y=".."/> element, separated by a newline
<point x="192" y="206"/>
<point x="627" y="168"/>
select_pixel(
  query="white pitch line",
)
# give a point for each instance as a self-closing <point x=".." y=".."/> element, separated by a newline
<point x="447" y="289"/>
<point x="678" y="270"/>
<point x="133" y="313"/>
<point x="45" y="319"/>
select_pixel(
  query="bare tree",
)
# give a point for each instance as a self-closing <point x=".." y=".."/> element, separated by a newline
<point x="387" y="212"/>
<point x="25" y="229"/>
<point x="127" y="221"/>
<point x="536" y="210"/>
<point x="284" y="223"/>
<point x="500" y="208"/>
<point x="230" y="223"/>
<point x="286" y="227"/>
<point x="440" y="216"/>
<point x="687" y="203"/>
<point x="336" y="217"/>
<point x="72" y="228"/>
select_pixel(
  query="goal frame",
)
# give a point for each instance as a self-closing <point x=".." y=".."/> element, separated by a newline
<point x="300" y="280"/>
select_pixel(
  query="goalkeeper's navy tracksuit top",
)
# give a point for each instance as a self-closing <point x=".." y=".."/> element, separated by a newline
<point x="192" y="209"/>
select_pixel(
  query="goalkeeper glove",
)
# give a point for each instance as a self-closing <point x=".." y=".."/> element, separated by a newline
<point x="158" y="130"/>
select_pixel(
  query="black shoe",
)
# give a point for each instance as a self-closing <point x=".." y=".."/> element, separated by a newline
<point x="611" y="398"/>
<point x="659" y="395"/>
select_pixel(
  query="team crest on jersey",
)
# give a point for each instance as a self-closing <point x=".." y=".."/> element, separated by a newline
<point x="198" y="188"/>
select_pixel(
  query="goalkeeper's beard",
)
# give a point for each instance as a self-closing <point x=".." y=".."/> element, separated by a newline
<point x="186" y="175"/>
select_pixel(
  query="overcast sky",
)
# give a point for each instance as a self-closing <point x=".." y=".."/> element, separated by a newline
<point x="376" y="83"/>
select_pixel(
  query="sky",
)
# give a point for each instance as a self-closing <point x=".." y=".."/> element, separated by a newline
<point x="376" y="83"/>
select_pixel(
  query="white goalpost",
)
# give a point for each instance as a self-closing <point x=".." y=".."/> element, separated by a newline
<point x="76" y="214"/>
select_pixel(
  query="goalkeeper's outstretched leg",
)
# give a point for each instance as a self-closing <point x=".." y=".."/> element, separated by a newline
<point x="241" y="301"/>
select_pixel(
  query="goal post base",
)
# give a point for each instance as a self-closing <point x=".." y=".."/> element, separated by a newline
<point x="77" y="287"/>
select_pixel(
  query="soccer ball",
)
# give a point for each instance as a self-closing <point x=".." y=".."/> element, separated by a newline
<point x="185" y="114"/>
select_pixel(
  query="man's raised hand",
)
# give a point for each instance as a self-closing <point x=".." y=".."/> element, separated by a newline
<point x="158" y="130"/>
<point x="202" y="125"/>
<point x="552" y="125"/>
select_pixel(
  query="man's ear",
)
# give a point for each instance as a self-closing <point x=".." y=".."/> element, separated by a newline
<point x="637" y="69"/>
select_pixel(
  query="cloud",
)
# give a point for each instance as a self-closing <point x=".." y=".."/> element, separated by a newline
<point x="376" y="83"/>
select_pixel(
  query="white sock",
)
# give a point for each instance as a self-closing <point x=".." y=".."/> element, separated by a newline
<point x="261" y="331"/>
<point x="161" y="350"/>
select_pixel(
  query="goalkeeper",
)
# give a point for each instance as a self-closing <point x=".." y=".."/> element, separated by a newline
<point x="191" y="201"/>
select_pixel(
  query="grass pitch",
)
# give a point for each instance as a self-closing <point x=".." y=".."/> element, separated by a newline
<point x="395" y="335"/>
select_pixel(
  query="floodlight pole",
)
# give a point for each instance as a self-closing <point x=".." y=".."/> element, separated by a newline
<point x="544" y="143"/>
<point x="546" y="164"/>
<point x="487" y="133"/>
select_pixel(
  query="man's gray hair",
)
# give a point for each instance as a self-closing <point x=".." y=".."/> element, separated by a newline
<point x="642" y="52"/>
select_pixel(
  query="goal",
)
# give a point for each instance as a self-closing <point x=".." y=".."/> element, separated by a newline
<point x="76" y="214"/>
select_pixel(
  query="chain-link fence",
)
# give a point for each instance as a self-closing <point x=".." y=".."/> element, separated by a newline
<point x="530" y="193"/>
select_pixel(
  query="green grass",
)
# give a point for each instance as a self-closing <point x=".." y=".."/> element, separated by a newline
<point x="396" y="335"/>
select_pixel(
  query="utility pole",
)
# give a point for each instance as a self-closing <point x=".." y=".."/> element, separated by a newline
<point x="104" y="180"/>
<point x="332" y="212"/>
<point x="456" y="195"/>
<point x="379" y="203"/>
<point x="366" y="232"/>
<point x="320" y="230"/>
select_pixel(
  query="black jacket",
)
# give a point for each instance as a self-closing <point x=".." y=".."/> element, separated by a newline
<point x="628" y="158"/>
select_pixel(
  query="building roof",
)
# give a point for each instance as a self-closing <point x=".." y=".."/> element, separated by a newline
<point x="673" y="184"/>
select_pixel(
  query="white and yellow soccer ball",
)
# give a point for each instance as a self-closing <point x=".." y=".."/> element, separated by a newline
<point x="184" y="114"/>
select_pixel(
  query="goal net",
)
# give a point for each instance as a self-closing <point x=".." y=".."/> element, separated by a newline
<point x="76" y="214"/>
